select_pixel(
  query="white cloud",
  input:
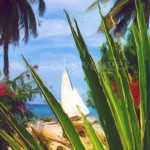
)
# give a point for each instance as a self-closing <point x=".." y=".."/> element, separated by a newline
<point x="55" y="27"/>
<point x="60" y="41"/>
<point x="16" y="68"/>
<point x="60" y="2"/>
<point x="76" y="4"/>
<point x="57" y="31"/>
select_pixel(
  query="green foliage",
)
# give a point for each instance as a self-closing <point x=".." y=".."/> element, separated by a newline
<point x="143" y="51"/>
<point x="92" y="134"/>
<point x="89" y="100"/>
<point x="131" y="55"/>
<point x="118" y="116"/>
<point x="123" y="111"/>
<point x="10" y="140"/>
<point x="96" y="88"/>
<point x="13" y="95"/>
<point x="28" y="140"/>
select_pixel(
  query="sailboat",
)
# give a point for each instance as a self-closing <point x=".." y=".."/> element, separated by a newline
<point x="70" y="98"/>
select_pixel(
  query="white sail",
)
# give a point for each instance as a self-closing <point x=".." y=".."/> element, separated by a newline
<point x="79" y="102"/>
<point x="66" y="95"/>
<point x="70" y="98"/>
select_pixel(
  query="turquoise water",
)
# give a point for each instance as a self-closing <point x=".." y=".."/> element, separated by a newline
<point x="44" y="111"/>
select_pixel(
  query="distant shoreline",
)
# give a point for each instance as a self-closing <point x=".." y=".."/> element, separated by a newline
<point x="44" y="111"/>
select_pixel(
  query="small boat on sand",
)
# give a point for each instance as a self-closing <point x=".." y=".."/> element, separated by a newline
<point x="70" y="98"/>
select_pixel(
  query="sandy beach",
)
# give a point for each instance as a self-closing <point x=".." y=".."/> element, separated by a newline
<point x="53" y="134"/>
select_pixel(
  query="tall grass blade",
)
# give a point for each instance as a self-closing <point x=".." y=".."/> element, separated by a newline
<point x="98" y="145"/>
<point x="142" y="67"/>
<point x="28" y="140"/>
<point x="142" y="78"/>
<point x="126" y="96"/>
<point x="144" y="71"/>
<point x="98" y="96"/>
<point x="147" y="126"/>
<point x="10" y="140"/>
<point x="117" y="112"/>
<point x="60" y="114"/>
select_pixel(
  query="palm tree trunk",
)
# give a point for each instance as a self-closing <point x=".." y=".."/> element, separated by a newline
<point x="6" y="59"/>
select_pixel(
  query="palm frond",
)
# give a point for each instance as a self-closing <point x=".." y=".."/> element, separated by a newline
<point x="14" y="16"/>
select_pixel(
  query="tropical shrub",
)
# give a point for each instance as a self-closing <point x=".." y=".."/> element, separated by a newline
<point x="118" y="117"/>
<point x="123" y="129"/>
<point x="14" y="94"/>
<point x="129" y="59"/>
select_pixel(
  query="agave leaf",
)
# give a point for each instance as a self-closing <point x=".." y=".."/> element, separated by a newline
<point x="58" y="110"/>
<point x="117" y="112"/>
<point x="18" y="127"/>
<point x="142" y="78"/>
<point x="19" y="141"/>
<point x="126" y="95"/>
<point x="98" y="145"/>
<point x="142" y="29"/>
<point x="100" y="101"/>
<point x="147" y="125"/>
<point x="143" y="54"/>
<point x="10" y="140"/>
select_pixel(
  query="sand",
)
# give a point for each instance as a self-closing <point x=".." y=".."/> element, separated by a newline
<point x="53" y="132"/>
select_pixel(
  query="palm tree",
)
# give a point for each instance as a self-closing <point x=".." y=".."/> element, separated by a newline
<point x="14" y="16"/>
<point x="121" y="13"/>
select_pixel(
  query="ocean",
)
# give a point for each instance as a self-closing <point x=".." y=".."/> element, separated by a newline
<point x="44" y="111"/>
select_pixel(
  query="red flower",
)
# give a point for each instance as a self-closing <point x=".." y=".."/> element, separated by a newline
<point x="19" y="107"/>
<point x="3" y="86"/>
<point x="115" y="88"/>
<point x="10" y="94"/>
<point x="4" y="91"/>
<point x="134" y="86"/>
<point x="24" y="108"/>
<point x="135" y="92"/>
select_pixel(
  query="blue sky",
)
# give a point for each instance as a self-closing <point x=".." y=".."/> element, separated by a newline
<point x="54" y="48"/>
